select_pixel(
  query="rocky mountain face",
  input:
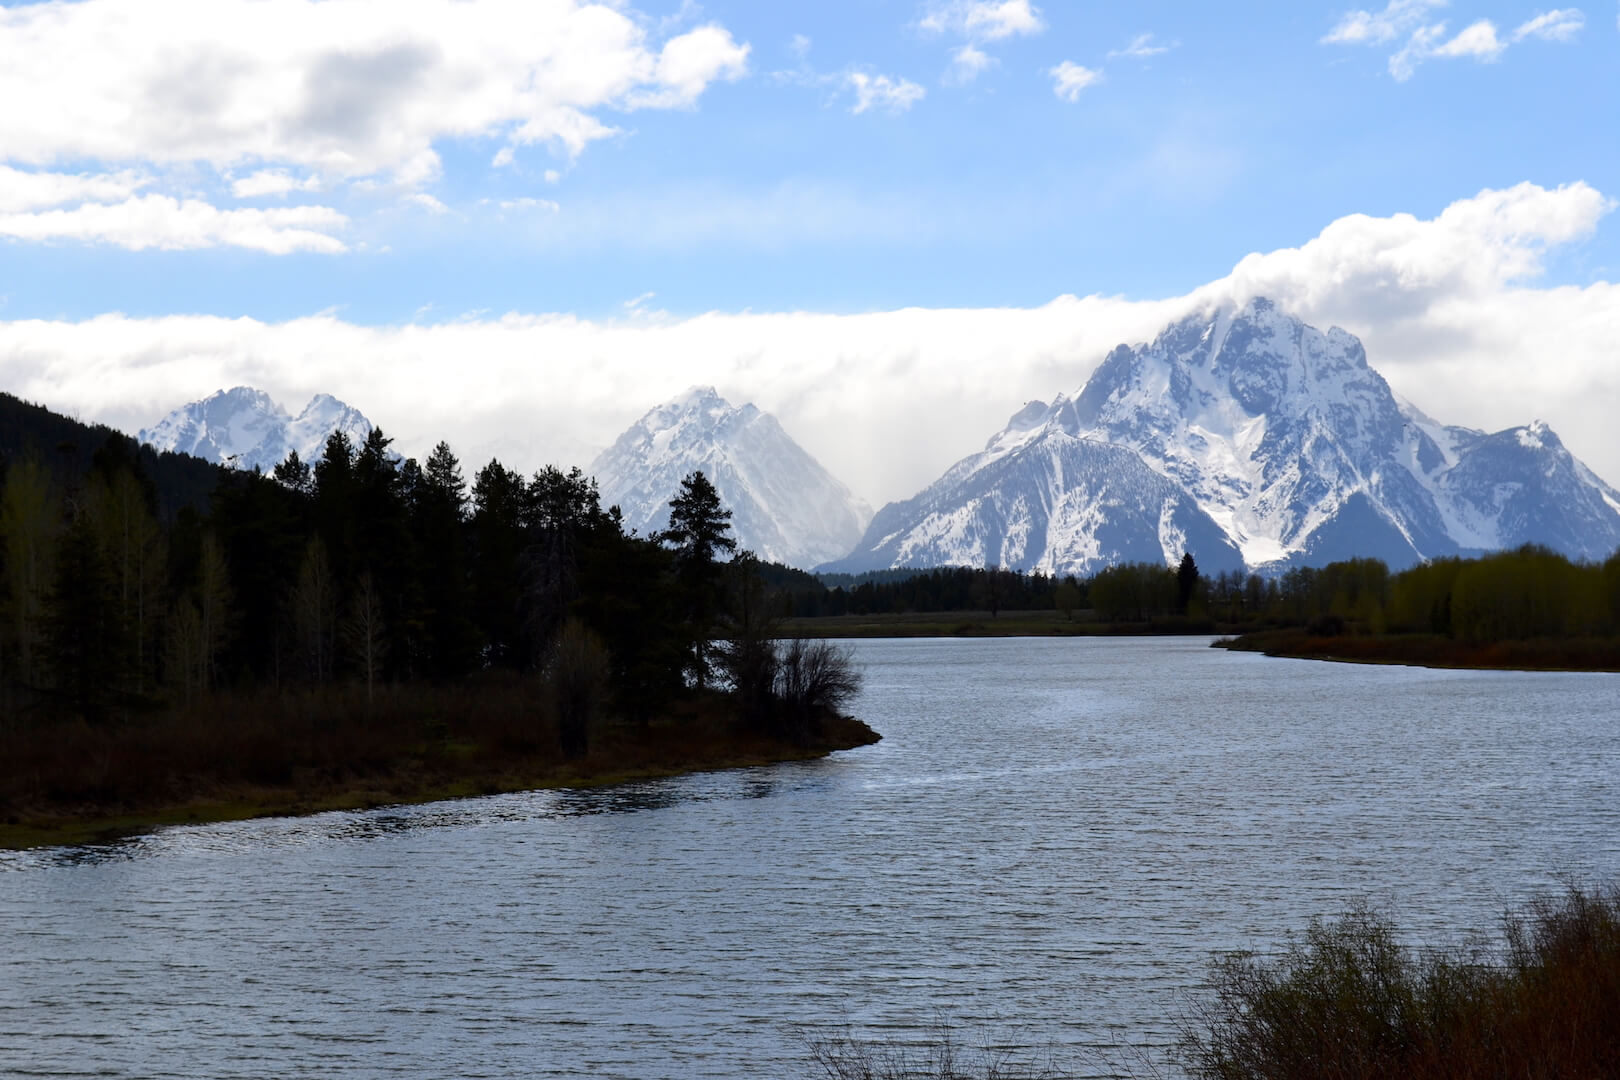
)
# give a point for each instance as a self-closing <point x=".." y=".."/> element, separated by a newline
<point x="246" y="428"/>
<point x="785" y="507"/>
<point x="1262" y="442"/>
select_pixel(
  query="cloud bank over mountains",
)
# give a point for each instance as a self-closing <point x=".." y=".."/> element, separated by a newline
<point x="1448" y="308"/>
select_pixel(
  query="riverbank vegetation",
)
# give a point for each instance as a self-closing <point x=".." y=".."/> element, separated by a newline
<point x="1530" y="608"/>
<point x="368" y="629"/>
<point x="1347" y="999"/>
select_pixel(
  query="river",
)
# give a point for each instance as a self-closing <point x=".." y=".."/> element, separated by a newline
<point x="1050" y="843"/>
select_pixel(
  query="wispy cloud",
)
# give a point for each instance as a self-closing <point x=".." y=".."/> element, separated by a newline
<point x="1563" y="24"/>
<point x="1425" y="40"/>
<point x="865" y="90"/>
<point x="170" y="224"/>
<point x="1141" y="47"/>
<point x="1069" y="79"/>
<point x="978" y="23"/>
<point x="22" y="190"/>
<point x="894" y="95"/>
<point x="967" y="63"/>
<point x="983" y="20"/>
<point x="1400" y="18"/>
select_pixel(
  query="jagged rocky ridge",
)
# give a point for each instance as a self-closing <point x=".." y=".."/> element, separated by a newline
<point x="785" y="507"/>
<point x="1248" y="438"/>
<point x="246" y="428"/>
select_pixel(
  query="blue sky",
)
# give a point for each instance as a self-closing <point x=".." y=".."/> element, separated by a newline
<point x="829" y="158"/>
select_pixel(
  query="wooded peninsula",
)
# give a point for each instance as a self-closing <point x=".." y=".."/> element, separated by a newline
<point x="180" y="641"/>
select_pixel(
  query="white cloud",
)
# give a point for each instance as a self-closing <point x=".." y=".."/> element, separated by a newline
<point x="272" y="182"/>
<point x="427" y="202"/>
<point x="1141" y="47"/>
<point x="1478" y="40"/>
<point x="22" y="190"/>
<point x="1562" y="24"/>
<point x="552" y="176"/>
<point x="342" y="88"/>
<point x="799" y="46"/>
<point x="688" y="64"/>
<point x="529" y="203"/>
<point x="1375" y="28"/>
<point x="167" y="223"/>
<point x="1069" y="79"/>
<point x="893" y="95"/>
<point x="967" y="64"/>
<point x="983" y="20"/>
<point x="1447" y="306"/>
<point x="1427" y="40"/>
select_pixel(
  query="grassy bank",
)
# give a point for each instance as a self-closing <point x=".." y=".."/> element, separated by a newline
<point x="1435" y="650"/>
<point x="984" y="624"/>
<point x="229" y="757"/>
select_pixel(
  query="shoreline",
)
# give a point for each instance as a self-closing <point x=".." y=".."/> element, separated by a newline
<point x="982" y="624"/>
<point x="1434" y="651"/>
<point x="414" y="784"/>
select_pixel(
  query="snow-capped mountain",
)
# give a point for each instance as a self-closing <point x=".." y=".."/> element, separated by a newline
<point x="1280" y="435"/>
<point x="1040" y="497"/>
<point x="785" y="507"/>
<point x="246" y="428"/>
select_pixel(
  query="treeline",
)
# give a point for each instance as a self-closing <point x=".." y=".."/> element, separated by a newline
<point x="1129" y="592"/>
<point x="366" y="569"/>
<point x="1528" y="593"/>
<point x="947" y="589"/>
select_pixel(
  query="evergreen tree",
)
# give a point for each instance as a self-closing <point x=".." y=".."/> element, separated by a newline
<point x="82" y="637"/>
<point x="497" y="542"/>
<point x="295" y="475"/>
<point x="1186" y="582"/>
<point x="698" y="532"/>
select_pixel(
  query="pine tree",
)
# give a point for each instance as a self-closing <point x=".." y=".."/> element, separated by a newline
<point x="1186" y="582"/>
<point x="698" y="531"/>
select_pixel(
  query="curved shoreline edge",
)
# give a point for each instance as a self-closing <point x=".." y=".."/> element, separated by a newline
<point x="410" y="787"/>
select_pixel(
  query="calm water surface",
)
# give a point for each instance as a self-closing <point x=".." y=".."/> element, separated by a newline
<point x="1047" y="847"/>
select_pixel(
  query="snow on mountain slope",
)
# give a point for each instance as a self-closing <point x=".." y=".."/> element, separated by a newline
<point x="1280" y="435"/>
<point x="246" y="428"/>
<point x="1041" y="498"/>
<point x="785" y="507"/>
<point x="1275" y="429"/>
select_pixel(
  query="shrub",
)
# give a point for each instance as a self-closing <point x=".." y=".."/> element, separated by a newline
<point x="1349" y="1001"/>
<point x="813" y="678"/>
<point x="845" y="1057"/>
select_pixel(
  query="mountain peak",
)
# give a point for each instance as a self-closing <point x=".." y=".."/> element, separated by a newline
<point x="247" y="428"/>
<point x="1282" y="436"/>
<point x="785" y="506"/>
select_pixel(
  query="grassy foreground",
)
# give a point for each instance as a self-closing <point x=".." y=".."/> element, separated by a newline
<point x="227" y="757"/>
<point x="1347" y="1001"/>
<point x="1435" y="650"/>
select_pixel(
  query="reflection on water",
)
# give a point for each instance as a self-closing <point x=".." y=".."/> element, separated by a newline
<point x="1048" y="845"/>
<point x="359" y="825"/>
